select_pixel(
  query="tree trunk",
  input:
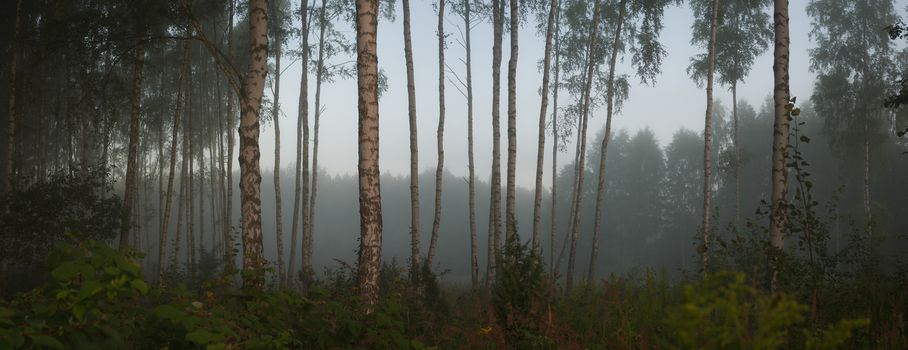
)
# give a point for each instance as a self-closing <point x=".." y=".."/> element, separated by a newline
<point x="440" y="134"/>
<point x="319" y="72"/>
<point x="231" y="120"/>
<point x="540" y="140"/>
<point x="132" y="159"/>
<point x="11" y="130"/>
<point x="868" y="215"/>
<point x="190" y="189"/>
<point x="734" y="113"/>
<point x="414" y="145"/>
<point x="495" y="198"/>
<point x="370" y="221"/>
<point x="578" y="192"/>
<point x="510" y="211"/>
<point x="162" y="243"/>
<point x="781" y="98"/>
<point x="250" y="176"/>
<point x="474" y="260"/>
<point x="555" y="142"/>
<point x="275" y="117"/>
<point x="302" y="147"/>
<point x="708" y="137"/>
<point x="603" y="147"/>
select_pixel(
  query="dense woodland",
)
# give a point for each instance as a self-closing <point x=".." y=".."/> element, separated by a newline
<point x="138" y="210"/>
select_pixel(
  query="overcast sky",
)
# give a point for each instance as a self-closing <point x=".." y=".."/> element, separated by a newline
<point x="673" y="102"/>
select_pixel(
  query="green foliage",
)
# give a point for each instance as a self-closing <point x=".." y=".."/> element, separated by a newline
<point x="90" y="303"/>
<point x="70" y="205"/>
<point x="517" y="292"/>
<point x="724" y="312"/>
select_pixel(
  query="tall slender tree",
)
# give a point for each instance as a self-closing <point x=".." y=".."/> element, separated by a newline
<point x="495" y="197"/>
<point x="511" y="185"/>
<point x="132" y="158"/>
<point x="743" y="32"/>
<point x="708" y="134"/>
<point x="540" y="139"/>
<point x="781" y="99"/>
<point x="440" y="135"/>
<point x="591" y="66"/>
<point x="11" y="116"/>
<point x="369" y="260"/>
<point x="301" y="190"/>
<point x="414" y="145"/>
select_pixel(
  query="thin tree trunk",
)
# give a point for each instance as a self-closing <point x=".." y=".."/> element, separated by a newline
<point x="11" y="130"/>
<point x="276" y="117"/>
<point x="781" y="97"/>
<point x="369" y="261"/>
<point x="555" y="141"/>
<point x="868" y="215"/>
<point x="190" y="189"/>
<point x="414" y="145"/>
<point x="474" y="260"/>
<point x="495" y="198"/>
<point x="162" y="243"/>
<point x="181" y="200"/>
<point x="578" y="195"/>
<point x="302" y="147"/>
<point x="511" y="185"/>
<point x="734" y="113"/>
<point x="440" y="135"/>
<point x="319" y="71"/>
<point x="603" y="147"/>
<point x="250" y="176"/>
<point x="708" y="137"/>
<point x="132" y="159"/>
<point x="540" y="141"/>
<point x="231" y="125"/>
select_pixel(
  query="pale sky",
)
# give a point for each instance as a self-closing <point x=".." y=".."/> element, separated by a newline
<point x="674" y="102"/>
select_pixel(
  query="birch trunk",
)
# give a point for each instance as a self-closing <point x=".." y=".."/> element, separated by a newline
<point x="162" y="243"/>
<point x="781" y="124"/>
<point x="578" y="192"/>
<point x="302" y="147"/>
<point x="440" y="135"/>
<point x="132" y="159"/>
<point x="11" y="130"/>
<point x="474" y="260"/>
<point x="603" y="147"/>
<point x="250" y="177"/>
<point x="555" y="142"/>
<point x="540" y="140"/>
<point x="511" y="185"/>
<point x="369" y="261"/>
<point x="319" y="71"/>
<point x="495" y="198"/>
<point x="276" y="117"/>
<point x="414" y="144"/>
<point x="708" y="137"/>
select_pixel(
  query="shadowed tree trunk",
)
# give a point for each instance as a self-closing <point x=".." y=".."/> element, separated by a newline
<point x="231" y="125"/>
<point x="440" y="134"/>
<point x="302" y="149"/>
<point x="511" y="185"/>
<point x="581" y="156"/>
<point x="11" y="126"/>
<point x="603" y="147"/>
<point x="781" y="98"/>
<point x="319" y="71"/>
<point x="555" y="141"/>
<point x="540" y="141"/>
<point x="708" y="137"/>
<point x="414" y="145"/>
<point x="162" y="243"/>
<point x="369" y="260"/>
<point x="474" y="260"/>
<point x="132" y="159"/>
<point x="495" y="198"/>
<point x="276" y="118"/>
